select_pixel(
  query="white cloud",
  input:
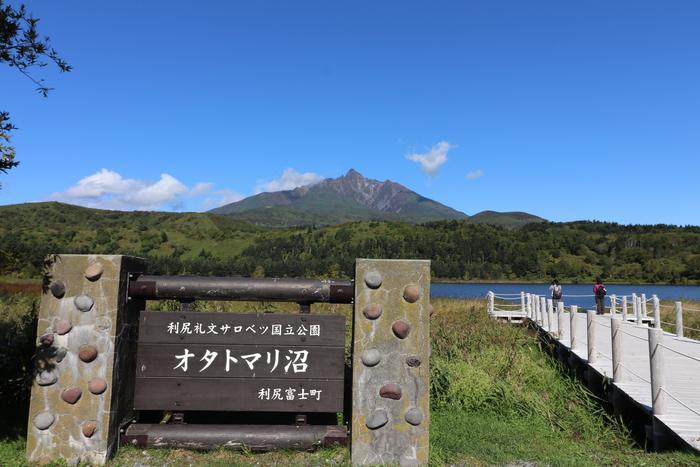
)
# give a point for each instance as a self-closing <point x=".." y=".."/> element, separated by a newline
<point x="431" y="161"/>
<point x="289" y="180"/>
<point x="474" y="174"/>
<point x="109" y="190"/>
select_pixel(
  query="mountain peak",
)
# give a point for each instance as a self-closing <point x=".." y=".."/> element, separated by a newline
<point x="349" y="197"/>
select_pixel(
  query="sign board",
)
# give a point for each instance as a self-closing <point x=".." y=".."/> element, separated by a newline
<point x="240" y="362"/>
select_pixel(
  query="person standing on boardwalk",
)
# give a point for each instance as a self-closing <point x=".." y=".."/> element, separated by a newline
<point x="556" y="293"/>
<point x="599" y="292"/>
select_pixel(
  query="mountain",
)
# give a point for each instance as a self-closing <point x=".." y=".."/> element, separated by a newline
<point x="351" y="197"/>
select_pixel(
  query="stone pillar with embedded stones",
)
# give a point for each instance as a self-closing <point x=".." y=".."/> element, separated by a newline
<point x="85" y="358"/>
<point x="391" y="351"/>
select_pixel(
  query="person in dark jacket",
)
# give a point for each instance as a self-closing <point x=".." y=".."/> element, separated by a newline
<point x="599" y="292"/>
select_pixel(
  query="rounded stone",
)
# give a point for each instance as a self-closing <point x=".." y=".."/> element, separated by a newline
<point x="97" y="385"/>
<point x="58" y="289"/>
<point x="371" y="357"/>
<point x="89" y="428"/>
<point x="401" y="328"/>
<point x="83" y="302"/>
<point x="413" y="361"/>
<point x="373" y="279"/>
<point x="60" y="354"/>
<point x="94" y="271"/>
<point x="411" y="293"/>
<point x="87" y="353"/>
<point x="71" y="395"/>
<point x="47" y="339"/>
<point x="372" y="311"/>
<point x="378" y="419"/>
<point x="43" y="420"/>
<point x="414" y="416"/>
<point x="390" y="391"/>
<point x="46" y="378"/>
<point x="62" y="326"/>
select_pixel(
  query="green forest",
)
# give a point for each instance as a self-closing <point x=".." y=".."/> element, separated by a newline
<point x="208" y="244"/>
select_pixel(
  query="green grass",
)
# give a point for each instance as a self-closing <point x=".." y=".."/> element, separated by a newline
<point x="496" y="398"/>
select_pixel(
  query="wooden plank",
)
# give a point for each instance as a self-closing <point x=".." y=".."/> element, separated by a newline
<point x="211" y="361"/>
<point x="236" y="394"/>
<point x="241" y="328"/>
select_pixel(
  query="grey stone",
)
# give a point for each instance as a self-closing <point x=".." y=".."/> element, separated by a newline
<point x="61" y="353"/>
<point x="58" y="289"/>
<point x="43" y="420"/>
<point x="372" y="311"/>
<point x="62" y="326"/>
<point x="414" y="416"/>
<point x="378" y="419"/>
<point x="46" y="378"/>
<point x="413" y="361"/>
<point x="411" y="293"/>
<point x="83" y="302"/>
<point x="71" y="395"/>
<point x="371" y="357"/>
<point x="401" y="328"/>
<point x="94" y="271"/>
<point x="373" y="279"/>
<point x="390" y="391"/>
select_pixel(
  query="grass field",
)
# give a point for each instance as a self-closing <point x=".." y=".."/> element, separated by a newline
<point x="496" y="399"/>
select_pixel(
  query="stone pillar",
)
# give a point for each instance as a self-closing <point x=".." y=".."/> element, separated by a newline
<point x="86" y="357"/>
<point x="391" y="351"/>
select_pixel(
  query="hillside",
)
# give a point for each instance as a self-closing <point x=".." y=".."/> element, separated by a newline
<point x="204" y="243"/>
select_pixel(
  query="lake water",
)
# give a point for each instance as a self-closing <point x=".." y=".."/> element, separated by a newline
<point x="664" y="292"/>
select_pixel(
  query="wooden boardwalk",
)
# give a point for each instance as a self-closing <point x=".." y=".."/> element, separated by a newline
<point x="673" y="369"/>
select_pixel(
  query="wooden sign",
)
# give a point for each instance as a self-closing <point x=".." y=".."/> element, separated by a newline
<point x="240" y="362"/>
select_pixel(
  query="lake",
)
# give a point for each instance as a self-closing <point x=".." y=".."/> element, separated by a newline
<point x="664" y="292"/>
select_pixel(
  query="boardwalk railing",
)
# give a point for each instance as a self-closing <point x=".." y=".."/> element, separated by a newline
<point x="658" y="371"/>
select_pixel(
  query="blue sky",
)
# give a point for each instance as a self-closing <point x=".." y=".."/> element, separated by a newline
<point x="568" y="110"/>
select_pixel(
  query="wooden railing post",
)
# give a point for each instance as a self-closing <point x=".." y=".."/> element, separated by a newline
<point x="590" y="335"/>
<point x="679" y="319"/>
<point x="545" y="313"/>
<point x="550" y="313"/>
<point x="657" y="311"/>
<point x="656" y="365"/>
<point x="624" y="308"/>
<point x="645" y="312"/>
<point x="572" y="326"/>
<point x="616" y="339"/>
<point x="560" y="319"/>
<point x="522" y="301"/>
<point x="538" y="315"/>
<point x="613" y="305"/>
<point x="491" y="304"/>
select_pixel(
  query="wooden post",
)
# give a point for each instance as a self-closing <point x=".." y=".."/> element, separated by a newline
<point x="490" y="300"/>
<point x="613" y="305"/>
<point x="560" y="319"/>
<point x="624" y="308"/>
<point x="545" y="313"/>
<point x="679" y="319"/>
<point x="572" y="326"/>
<point x="637" y="309"/>
<point x="522" y="301"/>
<point x="644" y="305"/>
<point x="550" y="312"/>
<point x="657" y="311"/>
<point x="590" y="335"/>
<point x="656" y="365"/>
<point x="616" y="339"/>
